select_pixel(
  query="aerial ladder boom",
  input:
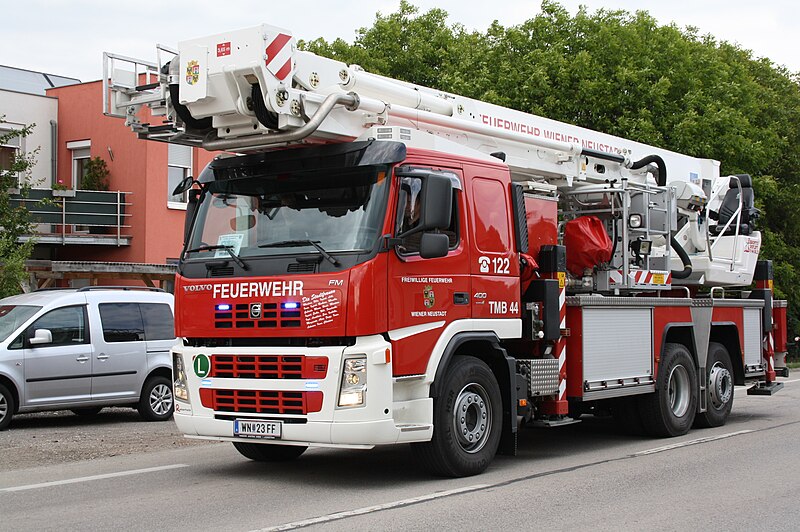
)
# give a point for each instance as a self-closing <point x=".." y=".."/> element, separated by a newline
<point x="252" y="89"/>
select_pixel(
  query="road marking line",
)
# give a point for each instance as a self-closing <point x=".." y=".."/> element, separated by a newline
<point x="372" y="509"/>
<point x="691" y="442"/>
<point x="94" y="477"/>
<point x="795" y="380"/>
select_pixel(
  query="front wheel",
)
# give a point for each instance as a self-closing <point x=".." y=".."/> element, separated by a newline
<point x="157" y="401"/>
<point x="720" y="388"/>
<point x="261" y="452"/>
<point x="467" y="419"/>
<point x="671" y="409"/>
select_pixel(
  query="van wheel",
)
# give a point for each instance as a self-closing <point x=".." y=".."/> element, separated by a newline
<point x="6" y="407"/>
<point x="261" y="452"/>
<point x="89" y="411"/>
<point x="671" y="409"/>
<point x="719" y="381"/>
<point x="467" y="418"/>
<point x="156" y="402"/>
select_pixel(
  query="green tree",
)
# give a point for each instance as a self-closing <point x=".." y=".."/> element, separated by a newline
<point x="621" y="73"/>
<point x="14" y="217"/>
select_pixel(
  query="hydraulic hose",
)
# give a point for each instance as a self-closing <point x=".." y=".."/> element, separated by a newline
<point x="661" y="178"/>
<point x="687" y="262"/>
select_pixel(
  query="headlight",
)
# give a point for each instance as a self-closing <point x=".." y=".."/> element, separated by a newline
<point x="635" y="221"/>
<point x="354" y="381"/>
<point x="179" y="372"/>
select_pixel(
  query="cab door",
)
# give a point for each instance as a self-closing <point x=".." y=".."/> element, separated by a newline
<point x="495" y="263"/>
<point x="59" y="371"/>
<point x="425" y="294"/>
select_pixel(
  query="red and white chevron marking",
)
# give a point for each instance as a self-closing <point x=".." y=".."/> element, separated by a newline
<point x="279" y="56"/>
<point x="561" y="345"/>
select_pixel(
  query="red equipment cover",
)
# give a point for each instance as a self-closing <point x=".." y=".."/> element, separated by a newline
<point x="587" y="244"/>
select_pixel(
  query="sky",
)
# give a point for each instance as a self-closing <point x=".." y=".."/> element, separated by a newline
<point x="68" y="38"/>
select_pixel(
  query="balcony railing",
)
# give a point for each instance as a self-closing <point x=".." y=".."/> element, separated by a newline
<point x="78" y="216"/>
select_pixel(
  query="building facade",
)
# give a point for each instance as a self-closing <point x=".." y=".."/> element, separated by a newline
<point x="137" y="220"/>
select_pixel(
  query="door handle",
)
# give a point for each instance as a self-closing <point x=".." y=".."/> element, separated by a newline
<point x="102" y="356"/>
<point x="82" y="359"/>
<point x="461" y="298"/>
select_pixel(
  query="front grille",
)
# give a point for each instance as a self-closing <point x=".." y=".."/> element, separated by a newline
<point x="240" y="318"/>
<point x="261" y="401"/>
<point x="221" y="271"/>
<point x="268" y="367"/>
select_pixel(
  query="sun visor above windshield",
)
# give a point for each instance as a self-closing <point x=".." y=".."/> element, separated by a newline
<point x="345" y="155"/>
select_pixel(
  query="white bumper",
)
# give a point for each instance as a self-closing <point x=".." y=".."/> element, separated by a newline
<point x="381" y="420"/>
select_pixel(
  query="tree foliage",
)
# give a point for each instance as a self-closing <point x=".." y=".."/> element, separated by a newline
<point x="14" y="217"/>
<point x="621" y="73"/>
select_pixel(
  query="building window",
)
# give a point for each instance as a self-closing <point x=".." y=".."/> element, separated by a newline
<point x="179" y="166"/>
<point x="81" y="153"/>
<point x="9" y="151"/>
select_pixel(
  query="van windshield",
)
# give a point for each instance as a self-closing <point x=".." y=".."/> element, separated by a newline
<point x="12" y="316"/>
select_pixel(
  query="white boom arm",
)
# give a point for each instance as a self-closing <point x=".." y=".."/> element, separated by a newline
<point x="252" y="89"/>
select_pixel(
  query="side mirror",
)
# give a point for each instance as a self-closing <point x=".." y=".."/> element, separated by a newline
<point x="185" y="184"/>
<point x="433" y="245"/>
<point x="437" y="196"/>
<point x="42" y="336"/>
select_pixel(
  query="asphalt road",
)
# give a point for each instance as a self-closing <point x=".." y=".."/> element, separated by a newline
<point x="743" y="476"/>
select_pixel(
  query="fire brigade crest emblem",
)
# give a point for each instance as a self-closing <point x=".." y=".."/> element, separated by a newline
<point x="192" y="72"/>
<point x="429" y="298"/>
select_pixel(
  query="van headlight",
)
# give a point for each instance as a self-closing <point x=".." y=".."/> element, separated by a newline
<point x="180" y="384"/>
<point x="354" y="381"/>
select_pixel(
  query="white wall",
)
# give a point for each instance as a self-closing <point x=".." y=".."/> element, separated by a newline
<point x="25" y="109"/>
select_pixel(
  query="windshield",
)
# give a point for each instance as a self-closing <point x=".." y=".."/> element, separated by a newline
<point x="337" y="211"/>
<point x="12" y="316"/>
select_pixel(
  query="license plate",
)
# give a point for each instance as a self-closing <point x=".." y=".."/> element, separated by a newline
<point x="248" y="428"/>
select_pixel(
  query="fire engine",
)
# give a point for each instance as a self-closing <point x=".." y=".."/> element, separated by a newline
<point x="373" y="262"/>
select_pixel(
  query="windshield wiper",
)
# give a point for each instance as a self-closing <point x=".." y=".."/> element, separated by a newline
<point x="291" y="243"/>
<point x="229" y="249"/>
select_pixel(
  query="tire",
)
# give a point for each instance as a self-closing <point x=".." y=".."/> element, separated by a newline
<point x="720" y="388"/>
<point x="7" y="407"/>
<point x="88" y="411"/>
<point x="157" y="401"/>
<point x="670" y="411"/>
<point x="261" y="452"/>
<point x="467" y="421"/>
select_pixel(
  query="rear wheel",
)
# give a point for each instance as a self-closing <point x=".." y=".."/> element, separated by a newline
<point x="467" y="419"/>
<point x="6" y="407"/>
<point x="157" y="401"/>
<point x="269" y="453"/>
<point x="671" y="409"/>
<point x="720" y="388"/>
<point x="88" y="411"/>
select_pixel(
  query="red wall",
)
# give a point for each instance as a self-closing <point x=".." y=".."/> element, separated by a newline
<point x="138" y="167"/>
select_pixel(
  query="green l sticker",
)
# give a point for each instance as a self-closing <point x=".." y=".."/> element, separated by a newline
<point x="202" y="366"/>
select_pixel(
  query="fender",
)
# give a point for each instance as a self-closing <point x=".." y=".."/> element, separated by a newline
<point x="505" y="369"/>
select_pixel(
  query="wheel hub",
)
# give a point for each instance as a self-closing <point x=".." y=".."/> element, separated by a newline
<point x="472" y="417"/>
<point x="161" y="399"/>
<point x="720" y="384"/>
<point x="679" y="391"/>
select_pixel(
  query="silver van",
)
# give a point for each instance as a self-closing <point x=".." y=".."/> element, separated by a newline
<point x="83" y="349"/>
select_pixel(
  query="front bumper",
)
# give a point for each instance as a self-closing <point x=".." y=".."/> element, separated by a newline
<point x="380" y="420"/>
